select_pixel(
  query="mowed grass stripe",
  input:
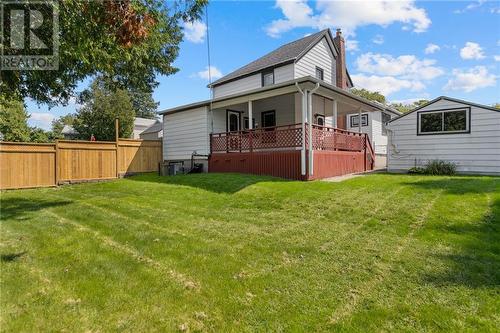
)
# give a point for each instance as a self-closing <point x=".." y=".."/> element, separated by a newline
<point x="268" y="255"/>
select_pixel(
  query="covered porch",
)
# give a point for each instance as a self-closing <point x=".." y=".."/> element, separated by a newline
<point x="295" y="132"/>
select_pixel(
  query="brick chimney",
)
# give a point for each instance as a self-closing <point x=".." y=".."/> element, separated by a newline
<point x="341" y="65"/>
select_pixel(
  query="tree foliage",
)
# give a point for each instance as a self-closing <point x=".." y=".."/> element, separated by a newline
<point x="142" y="101"/>
<point x="130" y="41"/>
<point x="369" y="95"/>
<point x="404" y="108"/>
<point x="14" y="124"/>
<point x="14" y="121"/>
<point x="496" y="106"/>
<point x="100" y="108"/>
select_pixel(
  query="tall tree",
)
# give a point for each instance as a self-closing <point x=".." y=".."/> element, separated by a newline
<point x="130" y="41"/>
<point x="14" y="121"/>
<point x="369" y="95"/>
<point x="100" y="108"/>
<point x="143" y="103"/>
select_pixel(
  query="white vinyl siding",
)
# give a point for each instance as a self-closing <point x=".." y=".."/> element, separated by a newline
<point x="244" y="84"/>
<point x="185" y="132"/>
<point x="474" y="152"/>
<point x="378" y="139"/>
<point x="319" y="56"/>
<point x="281" y="74"/>
<point x="374" y="130"/>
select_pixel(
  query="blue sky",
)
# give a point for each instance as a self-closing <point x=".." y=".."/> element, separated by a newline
<point x="405" y="49"/>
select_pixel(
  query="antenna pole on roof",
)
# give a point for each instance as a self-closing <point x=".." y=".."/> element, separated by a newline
<point x="209" y="72"/>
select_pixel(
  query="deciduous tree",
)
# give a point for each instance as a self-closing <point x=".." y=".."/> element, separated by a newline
<point x="130" y="41"/>
<point x="100" y="108"/>
<point x="13" y="121"/>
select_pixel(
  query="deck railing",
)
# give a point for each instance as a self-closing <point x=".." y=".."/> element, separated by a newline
<point x="286" y="137"/>
<point x="329" y="138"/>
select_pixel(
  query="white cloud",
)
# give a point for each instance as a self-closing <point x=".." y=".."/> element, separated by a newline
<point x="497" y="57"/>
<point x="431" y="48"/>
<point x="215" y="73"/>
<point x="385" y="85"/>
<point x="195" y="31"/>
<point x="470" y="6"/>
<point x="351" y="45"/>
<point x="405" y="66"/>
<point x="470" y="80"/>
<point x="348" y="15"/>
<point x="379" y="39"/>
<point x="471" y="51"/>
<point x="42" y="119"/>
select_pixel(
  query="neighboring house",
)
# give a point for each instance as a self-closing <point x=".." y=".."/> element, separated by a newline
<point x="288" y="113"/>
<point x="140" y="125"/>
<point x="69" y="133"/>
<point x="153" y="132"/>
<point x="152" y="126"/>
<point x="448" y="129"/>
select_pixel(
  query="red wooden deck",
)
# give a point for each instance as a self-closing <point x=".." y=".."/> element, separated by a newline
<point x="276" y="152"/>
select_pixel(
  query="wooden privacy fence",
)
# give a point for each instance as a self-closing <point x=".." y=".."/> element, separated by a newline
<point x="24" y="165"/>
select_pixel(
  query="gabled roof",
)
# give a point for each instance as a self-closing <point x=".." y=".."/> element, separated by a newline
<point x="69" y="130"/>
<point x="285" y="54"/>
<point x="145" y="122"/>
<point x="451" y="99"/>
<point x="156" y="127"/>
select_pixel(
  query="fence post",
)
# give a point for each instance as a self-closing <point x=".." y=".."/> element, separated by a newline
<point x="366" y="151"/>
<point x="56" y="163"/>
<point x="117" y="144"/>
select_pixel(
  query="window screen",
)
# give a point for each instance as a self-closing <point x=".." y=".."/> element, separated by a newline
<point x="267" y="78"/>
<point x="444" y="122"/>
<point x="355" y="120"/>
<point x="319" y="73"/>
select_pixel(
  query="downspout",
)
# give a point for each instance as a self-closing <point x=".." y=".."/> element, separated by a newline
<point x="310" y="119"/>
<point x="303" y="149"/>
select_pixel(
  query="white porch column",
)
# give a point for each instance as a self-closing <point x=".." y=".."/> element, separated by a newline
<point x="310" y="121"/>
<point x="250" y="115"/>
<point x="359" y="119"/>
<point x="335" y="113"/>
<point x="304" y="120"/>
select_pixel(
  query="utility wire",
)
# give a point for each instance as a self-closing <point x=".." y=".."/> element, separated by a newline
<point x="209" y="72"/>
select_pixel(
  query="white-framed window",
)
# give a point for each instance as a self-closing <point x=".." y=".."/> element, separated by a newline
<point x="354" y="120"/>
<point x="319" y="73"/>
<point x="267" y="78"/>
<point x="450" y="121"/>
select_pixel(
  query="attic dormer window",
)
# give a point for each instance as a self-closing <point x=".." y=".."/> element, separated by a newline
<point x="319" y="73"/>
<point x="267" y="78"/>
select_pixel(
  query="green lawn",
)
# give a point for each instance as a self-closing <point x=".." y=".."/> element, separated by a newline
<point x="247" y="253"/>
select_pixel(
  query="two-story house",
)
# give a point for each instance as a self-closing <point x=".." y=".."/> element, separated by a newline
<point x="288" y="114"/>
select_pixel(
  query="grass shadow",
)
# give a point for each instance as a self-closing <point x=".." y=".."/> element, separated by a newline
<point x="18" y="208"/>
<point x="10" y="257"/>
<point x="476" y="264"/>
<point x="228" y="183"/>
<point x="458" y="185"/>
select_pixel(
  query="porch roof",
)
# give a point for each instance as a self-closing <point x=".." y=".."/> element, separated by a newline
<point x="282" y="86"/>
